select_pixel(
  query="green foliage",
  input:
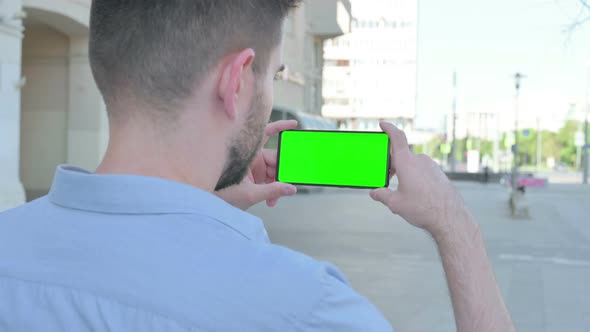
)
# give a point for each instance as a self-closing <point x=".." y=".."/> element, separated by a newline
<point x="560" y="146"/>
<point x="565" y="139"/>
<point x="549" y="145"/>
<point x="431" y="148"/>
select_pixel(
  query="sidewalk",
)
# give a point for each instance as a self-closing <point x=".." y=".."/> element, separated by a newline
<point x="542" y="264"/>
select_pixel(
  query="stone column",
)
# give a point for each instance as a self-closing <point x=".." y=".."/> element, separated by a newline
<point x="11" y="34"/>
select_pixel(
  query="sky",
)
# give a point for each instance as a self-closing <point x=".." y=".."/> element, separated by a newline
<point x="487" y="42"/>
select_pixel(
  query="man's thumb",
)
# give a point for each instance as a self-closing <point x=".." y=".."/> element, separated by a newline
<point x="387" y="197"/>
<point x="274" y="190"/>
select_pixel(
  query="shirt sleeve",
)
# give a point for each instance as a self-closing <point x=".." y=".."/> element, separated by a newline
<point x="341" y="309"/>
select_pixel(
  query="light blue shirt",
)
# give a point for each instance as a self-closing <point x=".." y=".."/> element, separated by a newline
<point x="133" y="253"/>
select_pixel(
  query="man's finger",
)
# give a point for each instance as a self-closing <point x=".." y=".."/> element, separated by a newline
<point x="274" y="128"/>
<point x="270" y="157"/>
<point x="398" y="138"/>
<point x="391" y="173"/>
<point x="278" y="126"/>
<point x="389" y="198"/>
<point x="272" y="202"/>
<point x="275" y="190"/>
<point x="400" y="150"/>
<point x="271" y="174"/>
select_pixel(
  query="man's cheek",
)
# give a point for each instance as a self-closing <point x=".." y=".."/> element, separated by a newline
<point x="267" y="102"/>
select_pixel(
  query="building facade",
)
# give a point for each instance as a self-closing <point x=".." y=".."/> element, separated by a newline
<point x="370" y="74"/>
<point x="51" y="111"/>
<point x="305" y="32"/>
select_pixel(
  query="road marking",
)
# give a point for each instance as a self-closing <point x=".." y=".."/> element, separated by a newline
<point x="550" y="260"/>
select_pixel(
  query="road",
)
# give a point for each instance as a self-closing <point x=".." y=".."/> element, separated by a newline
<point x="542" y="263"/>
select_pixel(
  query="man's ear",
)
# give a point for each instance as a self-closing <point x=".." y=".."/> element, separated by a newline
<point x="231" y="79"/>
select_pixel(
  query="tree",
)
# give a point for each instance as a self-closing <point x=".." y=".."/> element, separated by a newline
<point x="560" y="145"/>
<point x="582" y="17"/>
<point x="550" y="146"/>
<point x="527" y="146"/>
<point x="565" y="139"/>
<point x="431" y="148"/>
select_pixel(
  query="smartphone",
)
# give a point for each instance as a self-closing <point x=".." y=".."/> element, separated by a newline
<point x="334" y="158"/>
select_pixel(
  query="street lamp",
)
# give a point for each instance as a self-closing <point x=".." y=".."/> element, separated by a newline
<point x="517" y="80"/>
<point x="586" y="161"/>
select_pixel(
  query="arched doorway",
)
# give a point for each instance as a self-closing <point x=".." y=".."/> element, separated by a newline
<point x="62" y="117"/>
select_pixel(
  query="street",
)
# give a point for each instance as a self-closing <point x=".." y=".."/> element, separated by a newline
<point x="542" y="263"/>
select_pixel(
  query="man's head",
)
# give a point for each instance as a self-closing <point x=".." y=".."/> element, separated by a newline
<point x="168" y="57"/>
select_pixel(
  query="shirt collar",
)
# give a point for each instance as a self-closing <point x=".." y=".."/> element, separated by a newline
<point x="76" y="188"/>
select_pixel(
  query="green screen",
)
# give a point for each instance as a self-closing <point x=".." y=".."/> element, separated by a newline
<point x="347" y="159"/>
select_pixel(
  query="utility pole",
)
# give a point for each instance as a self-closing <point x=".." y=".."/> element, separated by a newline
<point x="517" y="80"/>
<point x="517" y="199"/>
<point x="453" y="142"/>
<point x="497" y="139"/>
<point x="539" y="143"/>
<point x="586" y="161"/>
<point x="480" y="134"/>
<point x="579" y="152"/>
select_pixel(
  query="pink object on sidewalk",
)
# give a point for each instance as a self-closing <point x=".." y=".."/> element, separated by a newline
<point x="532" y="182"/>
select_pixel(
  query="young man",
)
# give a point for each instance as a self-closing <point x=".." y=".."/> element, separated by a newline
<point x="156" y="239"/>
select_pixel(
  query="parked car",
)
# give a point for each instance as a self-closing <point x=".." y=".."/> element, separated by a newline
<point x="305" y="121"/>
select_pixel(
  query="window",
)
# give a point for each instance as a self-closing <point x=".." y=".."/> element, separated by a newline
<point x="343" y="63"/>
<point x="337" y="101"/>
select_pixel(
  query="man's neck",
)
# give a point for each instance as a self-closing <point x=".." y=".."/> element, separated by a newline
<point x="133" y="153"/>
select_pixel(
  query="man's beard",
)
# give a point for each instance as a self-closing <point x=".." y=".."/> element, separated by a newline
<point x="244" y="147"/>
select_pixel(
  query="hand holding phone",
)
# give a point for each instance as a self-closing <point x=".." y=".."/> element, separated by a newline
<point x="259" y="184"/>
<point x="424" y="197"/>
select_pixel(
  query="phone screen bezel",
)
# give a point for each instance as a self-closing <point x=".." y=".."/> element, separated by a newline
<point x="387" y="173"/>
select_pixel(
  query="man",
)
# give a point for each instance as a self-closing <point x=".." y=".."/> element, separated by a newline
<point x="146" y="243"/>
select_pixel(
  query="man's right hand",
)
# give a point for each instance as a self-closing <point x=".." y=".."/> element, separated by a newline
<point x="425" y="197"/>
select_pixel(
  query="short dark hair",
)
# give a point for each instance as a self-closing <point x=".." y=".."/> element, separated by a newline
<point x="156" y="51"/>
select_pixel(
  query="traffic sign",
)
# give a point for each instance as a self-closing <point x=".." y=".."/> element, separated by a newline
<point x="526" y="133"/>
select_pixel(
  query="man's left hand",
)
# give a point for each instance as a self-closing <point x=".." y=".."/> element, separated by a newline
<point x="260" y="183"/>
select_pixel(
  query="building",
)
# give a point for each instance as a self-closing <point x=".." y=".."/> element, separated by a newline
<point x="370" y="74"/>
<point x="52" y="112"/>
<point x="306" y="30"/>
